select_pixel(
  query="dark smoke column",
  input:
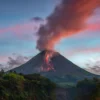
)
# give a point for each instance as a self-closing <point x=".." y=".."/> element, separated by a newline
<point x="68" y="18"/>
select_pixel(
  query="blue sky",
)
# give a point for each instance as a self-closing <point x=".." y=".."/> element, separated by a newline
<point x="18" y="32"/>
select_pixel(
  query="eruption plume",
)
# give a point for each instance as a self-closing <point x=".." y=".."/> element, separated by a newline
<point x="68" y="18"/>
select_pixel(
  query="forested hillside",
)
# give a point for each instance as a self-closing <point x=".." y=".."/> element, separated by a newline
<point x="25" y="87"/>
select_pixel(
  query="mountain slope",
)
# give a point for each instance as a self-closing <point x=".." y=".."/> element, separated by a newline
<point x="64" y="71"/>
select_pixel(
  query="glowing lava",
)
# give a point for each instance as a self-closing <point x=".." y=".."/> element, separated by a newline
<point x="47" y="65"/>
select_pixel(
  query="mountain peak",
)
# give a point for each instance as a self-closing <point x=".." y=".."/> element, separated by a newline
<point x="47" y="64"/>
<point x="48" y="51"/>
<point x="48" y="54"/>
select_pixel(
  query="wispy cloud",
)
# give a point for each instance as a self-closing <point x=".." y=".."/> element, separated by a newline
<point x="18" y="29"/>
<point x="93" y="65"/>
<point x="14" y="61"/>
<point x="29" y="27"/>
<point x="81" y="51"/>
<point x="24" y="31"/>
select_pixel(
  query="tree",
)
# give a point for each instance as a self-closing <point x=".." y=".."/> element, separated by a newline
<point x="88" y="89"/>
<point x="1" y="72"/>
<point x="14" y="86"/>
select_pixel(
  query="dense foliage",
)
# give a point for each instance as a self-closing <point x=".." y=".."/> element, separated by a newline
<point x="25" y="87"/>
<point x="88" y="89"/>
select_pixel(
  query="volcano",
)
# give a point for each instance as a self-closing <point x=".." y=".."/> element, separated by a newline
<point x="59" y="68"/>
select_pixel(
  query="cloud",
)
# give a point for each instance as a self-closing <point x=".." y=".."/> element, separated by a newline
<point x="81" y="50"/>
<point x="25" y="30"/>
<point x="93" y="65"/>
<point x="1" y="67"/>
<point x="14" y="61"/>
<point x="20" y="28"/>
<point x="3" y="59"/>
<point x="95" y="70"/>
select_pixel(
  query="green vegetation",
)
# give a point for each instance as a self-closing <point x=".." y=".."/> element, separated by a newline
<point x="15" y="86"/>
<point x="25" y="87"/>
<point x="66" y="84"/>
<point x="88" y="89"/>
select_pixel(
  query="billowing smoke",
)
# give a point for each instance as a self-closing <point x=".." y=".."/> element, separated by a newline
<point x="68" y="18"/>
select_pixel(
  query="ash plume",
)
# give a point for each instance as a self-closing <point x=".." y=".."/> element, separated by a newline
<point x="68" y="18"/>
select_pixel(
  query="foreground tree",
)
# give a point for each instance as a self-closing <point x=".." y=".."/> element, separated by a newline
<point x="1" y="73"/>
<point x="26" y="87"/>
<point x="88" y="89"/>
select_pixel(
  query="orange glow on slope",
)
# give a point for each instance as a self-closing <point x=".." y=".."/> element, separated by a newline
<point x="47" y="65"/>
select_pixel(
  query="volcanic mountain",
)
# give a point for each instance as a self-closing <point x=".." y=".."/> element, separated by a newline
<point x="58" y="69"/>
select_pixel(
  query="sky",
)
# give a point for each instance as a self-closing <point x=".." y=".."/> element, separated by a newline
<point x="19" y="22"/>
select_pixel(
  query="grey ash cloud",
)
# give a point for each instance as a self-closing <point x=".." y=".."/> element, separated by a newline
<point x="93" y="66"/>
<point x="14" y="61"/>
<point x="95" y="70"/>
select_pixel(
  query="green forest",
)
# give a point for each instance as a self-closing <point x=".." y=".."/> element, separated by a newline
<point x="15" y="86"/>
<point x="88" y="89"/>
